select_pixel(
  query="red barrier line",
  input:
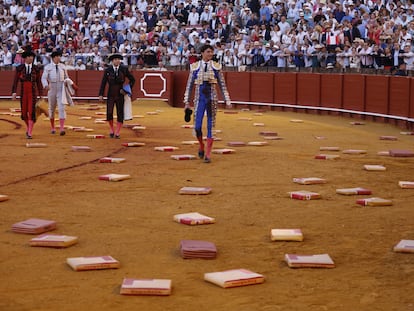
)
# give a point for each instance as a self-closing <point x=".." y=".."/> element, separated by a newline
<point x="372" y="114"/>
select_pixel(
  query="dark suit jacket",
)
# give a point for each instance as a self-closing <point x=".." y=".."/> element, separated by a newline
<point x="41" y="14"/>
<point x="20" y="76"/>
<point x="115" y="83"/>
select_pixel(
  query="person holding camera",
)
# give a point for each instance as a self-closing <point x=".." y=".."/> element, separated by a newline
<point x="115" y="76"/>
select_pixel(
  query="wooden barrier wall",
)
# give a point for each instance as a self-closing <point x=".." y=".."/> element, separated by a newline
<point x="345" y="93"/>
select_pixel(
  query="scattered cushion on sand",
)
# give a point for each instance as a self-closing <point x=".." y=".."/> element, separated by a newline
<point x="82" y="129"/>
<point x="383" y="153"/>
<point x="401" y="153"/>
<point x="133" y="144"/>
<point x="190" y="249"/>
<point x="309" y="180"/>
<point x="268" y="133"/>
<point x="193" y="219"/>
<point x="147" y="287"/>
<point x="36" y="145"/>
<point x="385" y="137"/>
<point x="223" y="151"/>
<point x="304" y="195"/>
<point x="374" y="202"/>
<point x="257" y="143"/>
<point x="354" y="151"/>
<point x="272" y="137"/>
<point x="354" y="191"/>
<point x="97" y="136"/>
<point x="53" y="240"/>
<point x="234" y="278"/>
<point x="183" y="157"/>
<point x="329" y="148"/>
<point x="406" y="184"/>
<point x="404" y="246"/>
<point x="327" y="157"/>
<point x="236" y="143"/>
<point x="34" y="226"/>
<point x="111" y="160"/>
<point x="166" y="148"/>
<point x="195" y="190"/>
<point x="309" y="261"/>
<point x="286" y="235"/>
<point x="114" y="177"/>
<point x="81" y="148"/>
<point x="374" y="167"/>
<point x="92" y="263"/>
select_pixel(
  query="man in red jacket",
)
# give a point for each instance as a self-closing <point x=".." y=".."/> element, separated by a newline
<point x="30" y="89"/>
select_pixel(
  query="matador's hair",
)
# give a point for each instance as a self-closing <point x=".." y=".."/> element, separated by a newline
<point x="205" y="47"/>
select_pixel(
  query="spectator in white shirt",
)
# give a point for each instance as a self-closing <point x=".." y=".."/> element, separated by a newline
<point x="206" y="16"/>
<point x="80" y="65"/>
<point x="6" y="57"/>
<point x="193" y="17"/>
<point x="408" y="57"/>
<point x="175" y="56"/>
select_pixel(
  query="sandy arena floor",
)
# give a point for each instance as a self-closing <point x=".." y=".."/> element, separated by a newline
<point x="132" y="220"/>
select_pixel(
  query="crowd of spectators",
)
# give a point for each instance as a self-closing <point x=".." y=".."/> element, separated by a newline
<point x="246" y="34"/>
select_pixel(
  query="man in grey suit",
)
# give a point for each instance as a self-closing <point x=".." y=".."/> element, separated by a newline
<point x="53" y="78"/>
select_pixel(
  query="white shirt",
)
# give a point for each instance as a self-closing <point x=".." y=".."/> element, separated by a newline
<point x="51" y="75"/>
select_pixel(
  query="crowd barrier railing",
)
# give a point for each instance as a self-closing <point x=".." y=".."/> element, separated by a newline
<point x="379" y="97"/>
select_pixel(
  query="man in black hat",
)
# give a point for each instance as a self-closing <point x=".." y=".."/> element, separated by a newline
<point x="30" y="90"/>
<point x="54" y="75"/>
<point x="115" y="76"/>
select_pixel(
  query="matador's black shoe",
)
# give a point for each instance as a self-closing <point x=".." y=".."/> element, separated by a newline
<point x="187" y="114"/>
<point x="201" y="154"/>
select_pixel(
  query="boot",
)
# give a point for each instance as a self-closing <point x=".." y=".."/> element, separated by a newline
<point x="207" y="158"/>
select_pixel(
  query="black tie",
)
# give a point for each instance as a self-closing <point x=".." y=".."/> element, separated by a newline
<point x="27" y="70"/>
<point x="116" y="71"/>
<point x="205" y="67"/>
